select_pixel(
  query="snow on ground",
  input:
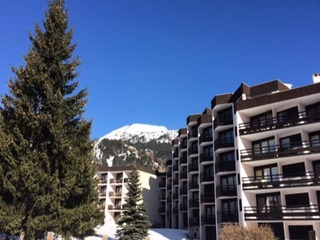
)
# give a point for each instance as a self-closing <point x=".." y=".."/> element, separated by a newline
<point x="154" y="234"/>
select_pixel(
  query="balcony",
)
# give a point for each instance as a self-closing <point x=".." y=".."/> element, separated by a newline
<point x="176" y="181"/>
<point x="162" y="184"/>
<point x="115" y="181"/>
<point x="162" y="210"/>
<point x="226" y="190"/>
<point x="183" y="175"/>
<point x="183" y="207"/>
<point x="162" y="197"/>
<point x="175" y="155"/>
<point x="169" y="186"/>
<point x="274" y="123"/>
<point x="175" y="196"/>
<point x="208" y="197"/>
<point x="115" y="194"/>
<point x="206" y="177"/>
<point x="175" y="210"/>
<point x="194" y="222"/>
<point x="183" y="191"/>
<point x="222" y="122"/>
<point x="169" y="163"/>
<point x="183" y="160"/>
<point x="169" y="174"/>
<point x="176" y="167"/>
<point x="288" y="213"/>
<point x="193" y="167"/>
<point x="193" y="185"/>
<point x="193" y="203"/>
<point x="205" y="138"/>
<point x="225" y="166"/>
<point x="228" y="216"/>
<point x="192" y="150"/>
<point x="281" y="181"/>
<point x="208" y="219"/>
<point x="278" y="151"/>
<point x="111" y="207"/>
<point x="224" y="143"/>
<point x="183" y="145"/>
<point x="206" y="158"/>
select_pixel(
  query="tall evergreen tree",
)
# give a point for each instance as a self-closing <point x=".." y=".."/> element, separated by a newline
<point x="134" y="222"/>
<point x="48" y="182"/>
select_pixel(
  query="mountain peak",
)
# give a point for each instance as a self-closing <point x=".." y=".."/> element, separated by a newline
<point x="139" y="132"/>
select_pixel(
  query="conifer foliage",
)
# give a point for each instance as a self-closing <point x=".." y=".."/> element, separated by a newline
<point x="134" y="222"/>
<point x="47" y="177"/>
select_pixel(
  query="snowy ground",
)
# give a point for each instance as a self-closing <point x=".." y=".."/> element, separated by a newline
<point x="154" y="234"/>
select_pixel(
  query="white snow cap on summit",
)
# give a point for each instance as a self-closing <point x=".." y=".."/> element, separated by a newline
<point x="149" y="132"/>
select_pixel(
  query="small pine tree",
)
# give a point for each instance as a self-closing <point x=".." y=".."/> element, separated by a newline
<point x="47" y="176"/>
<point x="134" y="222"/>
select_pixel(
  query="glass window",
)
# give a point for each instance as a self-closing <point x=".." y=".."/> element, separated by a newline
<point x="264" y="146"/>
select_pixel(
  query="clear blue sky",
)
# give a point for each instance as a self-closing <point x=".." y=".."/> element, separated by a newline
<point x="158" y="61"/>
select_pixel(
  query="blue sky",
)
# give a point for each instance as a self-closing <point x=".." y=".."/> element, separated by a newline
<point x="158" y="61"/>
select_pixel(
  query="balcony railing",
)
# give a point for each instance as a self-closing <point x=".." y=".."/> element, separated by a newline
<point x="222" y="122"/>
<point x="115" y="194"/>
<point x="176" y="167"/>
<point x="225" y="166"/>
<point x="208" y="197"/>
<point x="281" y="181"/>
<point x="112" y="181"/>
<point x="205" y="138"/>
<point x="207" y="177"/>
<point x="208" y="220"/>
<point x="297" y="213"/>
<point x="111" y="207"/>
<point x="175" y="155"/>
<point x="228" y="216"/>
<point x="194" y="222"/>
<point x="226" y="190"/>
<point x="162" y="197"/>
<point x="224" y="143"/>
<point x="162" y="184"/>
<point x="275" y="123"/>
<point x="206" y="158"/>
<point x="175" y="181"/>
<point x="278" y="151"/>
<point x="183" y="145"/>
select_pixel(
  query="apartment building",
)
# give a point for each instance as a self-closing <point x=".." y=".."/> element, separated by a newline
<point x="253" y="158"/>
<point x="113" y="189"/>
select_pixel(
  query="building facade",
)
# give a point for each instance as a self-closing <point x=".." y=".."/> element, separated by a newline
<point x="252" y="158"/>
<point x="113" y="189"/>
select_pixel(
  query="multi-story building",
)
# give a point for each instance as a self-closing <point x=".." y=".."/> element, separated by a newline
<point x="113" y="189"/>
<point x="253" y="158"/>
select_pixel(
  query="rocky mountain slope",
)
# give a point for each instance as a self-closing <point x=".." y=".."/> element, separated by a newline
<point x="140" y="144"/>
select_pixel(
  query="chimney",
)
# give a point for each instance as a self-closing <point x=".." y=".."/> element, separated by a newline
<point x="316" y="77"/>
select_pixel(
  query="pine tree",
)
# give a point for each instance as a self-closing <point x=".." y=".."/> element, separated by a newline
<point x="134" y="222"/>
<point x="48" y="182"/>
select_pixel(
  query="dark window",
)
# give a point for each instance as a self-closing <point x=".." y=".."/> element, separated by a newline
<point x="228" y="182"/>
<point x="300" y="232"/>
<point x="313" y="111"/>
<point x="288" y="115"/>
<point x="209" y="210"/>
<point x="208" y="151"/>
<point x="194" y="131"/>
<point x="227" y="156"/>
<point x="225" y="115"/>
<point x="294" y="170"/>
<point x="294" y="200"/>
<point x="226" y="136"/>
<point x="207" y="133"/>
<point x="290" y="141"/>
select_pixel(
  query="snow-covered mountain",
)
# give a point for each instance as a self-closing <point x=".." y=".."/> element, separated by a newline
<point x="144" y="144"/>
<point x="142" y="133"/>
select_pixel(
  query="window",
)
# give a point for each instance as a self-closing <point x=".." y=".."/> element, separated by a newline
<point x="209" y="210"/>
<point x="290" y="142"/>
<point x="268" y="202"/>
<point x="268" y="173"/>
<point x="294" y="170"/>
<point x="226" y="136"/>
<point x="264" y="146"/>
<point x="288" y="115"/>
<point x="194" y="131"/>
<point x="229" y="210"/>
<point x="296" y="200"/>
<point x="207" y="133"/>
<point x="225" y="115"/>
<point x="261" y="120"/>
<point x="314" y="139"/>
<point x="228" y="182"/>
<point x="313" y="111"/>
<point x="300" y="232"/>
<point x="227" y="156"/>
<point x="208" y="151"/>
<point x="118" y="190"/>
